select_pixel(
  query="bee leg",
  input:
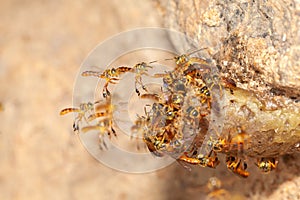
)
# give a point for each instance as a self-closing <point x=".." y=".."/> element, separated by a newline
<point x="102" y="144"/>
<point x="75" y="127"/>
<point x="143" y="86"/>
<point x="137" y="144"/>
<point x="105" y="91"/>
<point x="108" y="93"/>
<point x="113" y="131"/>
<point x="136" y="89"/>
<point x="76" y="123"/>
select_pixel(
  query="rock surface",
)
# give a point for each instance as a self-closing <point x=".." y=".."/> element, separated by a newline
<point x="42" y="46"/>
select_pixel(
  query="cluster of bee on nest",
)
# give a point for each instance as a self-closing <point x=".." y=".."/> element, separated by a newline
<point x="182" y="120"/>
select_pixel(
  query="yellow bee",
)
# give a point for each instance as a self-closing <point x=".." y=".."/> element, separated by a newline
<point x="81" y="113"/>
<point x="111" y="75"/>
<point x="266" y="165"/>
<point x="237" y="166"/>
<point x="139" y="70"/>
<point x="202" y="160"/>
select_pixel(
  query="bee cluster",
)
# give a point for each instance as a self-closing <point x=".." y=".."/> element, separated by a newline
<point x="180" y="120"/>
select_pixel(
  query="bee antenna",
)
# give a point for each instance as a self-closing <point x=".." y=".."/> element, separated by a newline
<point x="197" y="50"/>
<point x="153" y="61"/>
<point x="169" y="59"/>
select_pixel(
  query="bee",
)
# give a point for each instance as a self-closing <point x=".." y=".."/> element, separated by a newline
<point x="175" y="89"/>
<point x="237" y="166"/>
<point x="158" y="128"/>
<point x="160" y="141"/>
<point x="104" y="124"/>
<point x="140" y="127"/>
<point x="139" y="70"/>
<point x="202" y="160"/>
<point x="105" y="119"/>
<point x="266" y="165"/>
<point x="1" y="107"/>
<point x="111" y="75"/>
<point x="192" y="116"/>
<point x="198" y="71"/>
<point x="104" y="127"/>
<point x="184" y="61"/>
<point x="152" y="132"/>
<point x="108" y="111"/>
<point x="152" y="145"/>
<point x="204" y="92"/>
<point x="81" y="113"/>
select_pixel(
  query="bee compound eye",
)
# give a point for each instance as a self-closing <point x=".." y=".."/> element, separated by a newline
<point x="194" y="113"/>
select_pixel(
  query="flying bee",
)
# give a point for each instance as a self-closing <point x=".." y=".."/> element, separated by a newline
<point x="81" y="113"/>
<point x="266" y="165"/>
<point x="111" y="75"/>
<point x="139" y="70"/>
<point x="140" y="127"/>
<point x="104" y="126"/>
<point x="237" y="166"/>
<point x="105" y="119"/>
<point x="108" y="111"/>
<point x="202" y="160"/>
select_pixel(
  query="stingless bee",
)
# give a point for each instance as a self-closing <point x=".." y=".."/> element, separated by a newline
<point x="202" y="160"/>
<point x="184" y="61"/>
<point x="266" y="165"/>
<point x="105" y="119"/>
<point x="81" y="113"/>
<point x="237" y="166"/>
<point x="139" y="70"/>
<point x="110" y="75"/>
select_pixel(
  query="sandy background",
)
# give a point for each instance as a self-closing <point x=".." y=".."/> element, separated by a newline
<point x="42" y="46"/>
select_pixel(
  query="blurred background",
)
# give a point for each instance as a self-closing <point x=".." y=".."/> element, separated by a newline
<point x="42" y="46"/>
